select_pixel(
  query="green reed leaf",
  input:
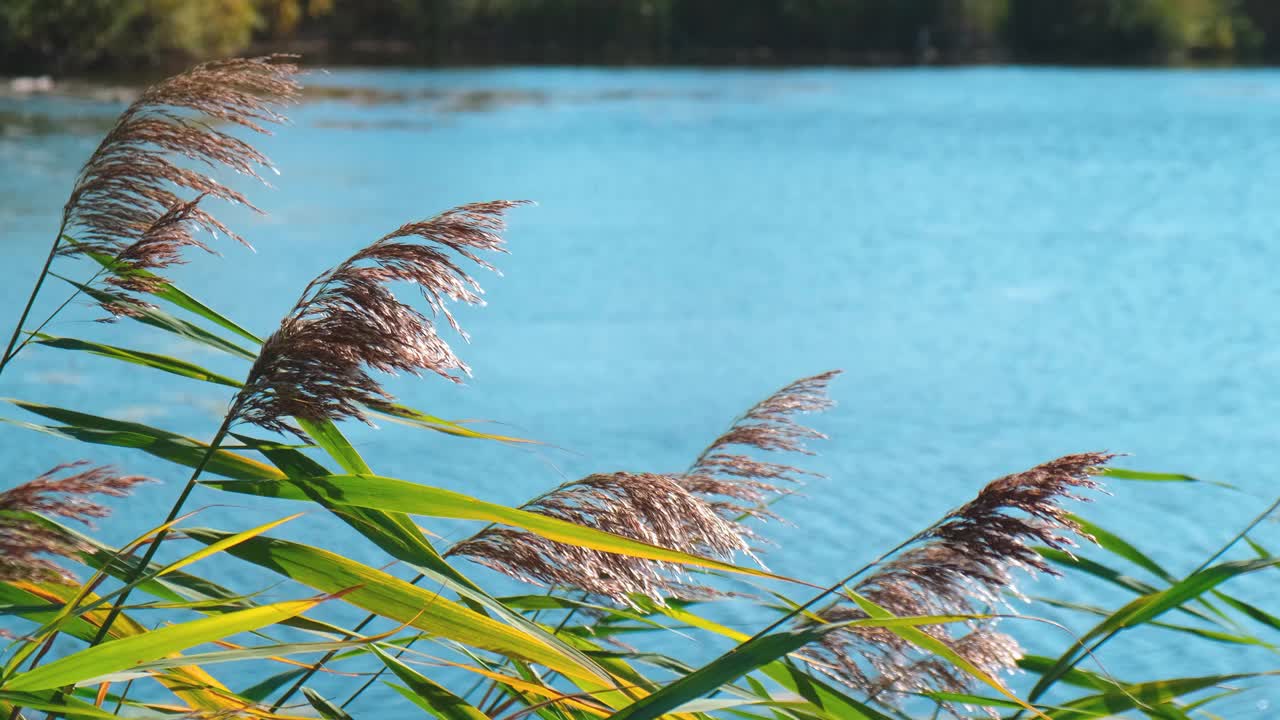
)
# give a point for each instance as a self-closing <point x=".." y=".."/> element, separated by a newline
<point x="157" y="318"/>
<point x="127" y="652"/>
<point x="727" y="668"/>
<point x="56" y="704"/>
<point x="431" y="696"/>
<point x="1148" y="696"/>
<point x="327" y="436"/>
<point x="161" y="443"/>
<point x="1147" y="608"/>
<point x="391" y="494"/>
<point x="137" y="357"/>
<point x="173" y="294"/>
<point x="386" y="595"/>
<point x="327" y="709"/>
<point x="1141" y="476"/>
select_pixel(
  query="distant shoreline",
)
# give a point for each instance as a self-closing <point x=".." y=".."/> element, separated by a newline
<point x="118" y="84"/>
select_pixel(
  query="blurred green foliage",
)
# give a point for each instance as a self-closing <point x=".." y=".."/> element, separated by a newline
<point x="73" y="35"/>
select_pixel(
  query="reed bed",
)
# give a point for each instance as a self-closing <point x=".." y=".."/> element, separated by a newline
<point x="617" y="563"/>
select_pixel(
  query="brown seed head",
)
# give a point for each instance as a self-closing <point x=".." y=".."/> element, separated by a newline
<point x="25" y="542"/>
<point x="162" y="146"/>
<point x="159" y="247"/>
<point x="961" y="565"/>
<point x="698" y="512"/>
<point x="316" y="365"/>
<point x="655" y="509"/>
<point x="737" y="484"/>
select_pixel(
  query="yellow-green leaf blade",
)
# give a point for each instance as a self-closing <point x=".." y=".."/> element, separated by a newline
<point x="386" y="595"/>
<point x="391" y="494"/>
<point x="155" y="361"/>
<point x="435" y="698"/>
<point x="127" y="652"/>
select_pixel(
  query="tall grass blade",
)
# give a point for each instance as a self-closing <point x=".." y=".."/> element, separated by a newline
<point x="138" y="357"/>
<point x="1064" y="559"/>
<point x="171" y="293"/>
<point x="390" y="597"/>
<point x="259" y="692"/>
<point x="161" y="443"/>
<point x="432" y="696"/>
<point x="56" y="704"/>
<point x="710" y="678"/>
<point x="1147" y="608"/>
<point x="127" y="652"/>
<point x="1116" y="545"/>
<point x="391" y="494"/>
<point x="327" y="436"/>
<point x="157" y="318"/>
<point x="830" y="698"/>
<point x="1149" y="697"/>
<point x="416" y="418"/>
<point x="225" y="544"/>
<point x="1142" y="476"/>
<point x="327" y="710"/>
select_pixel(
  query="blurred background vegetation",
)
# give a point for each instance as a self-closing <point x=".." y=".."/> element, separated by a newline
<point x="70" y="36"/>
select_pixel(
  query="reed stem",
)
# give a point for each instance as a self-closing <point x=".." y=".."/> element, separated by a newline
<point x="1040" y="689"/>
<point x="329" y="656"/>
<point x="118" y="606"/>
<point x="9" y="351"/>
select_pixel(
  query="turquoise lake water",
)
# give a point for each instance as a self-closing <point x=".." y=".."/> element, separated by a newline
<point x="1009" y="264"/>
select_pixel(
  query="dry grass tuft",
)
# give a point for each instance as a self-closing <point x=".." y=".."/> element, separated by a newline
<point x="962" y="565"/>
<point x="25" y="543"/>
<point x="315" y="366"/>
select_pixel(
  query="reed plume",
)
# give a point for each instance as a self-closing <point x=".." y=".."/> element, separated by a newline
<point x="698" y="512"/>
<point x="25" y="543"/>
<point x="964" y="564"/>
<point x="737" y="484"/>
<point x="129" y="192"/>
<point x="160" y="246"/>
<point x="347" y="322"/>
<point x="655" y="509"/>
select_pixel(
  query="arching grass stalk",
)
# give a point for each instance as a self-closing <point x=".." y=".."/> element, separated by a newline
<point x="9" y="351"/>
<point x="968" y="554"/>
<point x="13" y="351"/>
<point x="1093" y="649"/>
<point x="297" y="686"/>
<point x="131" y="182"/>
<point x="315" y="365"/>
<point x="118" y="606"/>
<point x="311" y="366"/>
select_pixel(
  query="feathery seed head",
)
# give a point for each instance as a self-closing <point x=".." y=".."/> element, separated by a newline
<point x="25" y="543"/>
<point x="348" y="321"/>
<point x="139" y="172"/>
<point x="655" y="509"/>
<point x="160" y="246"/>
<point x="960" y="566"/>
<point x="698" y="512"/>
<point x="738" y="484"/>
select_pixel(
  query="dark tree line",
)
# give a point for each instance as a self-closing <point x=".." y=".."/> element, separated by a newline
<point x="77" y="35"/>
